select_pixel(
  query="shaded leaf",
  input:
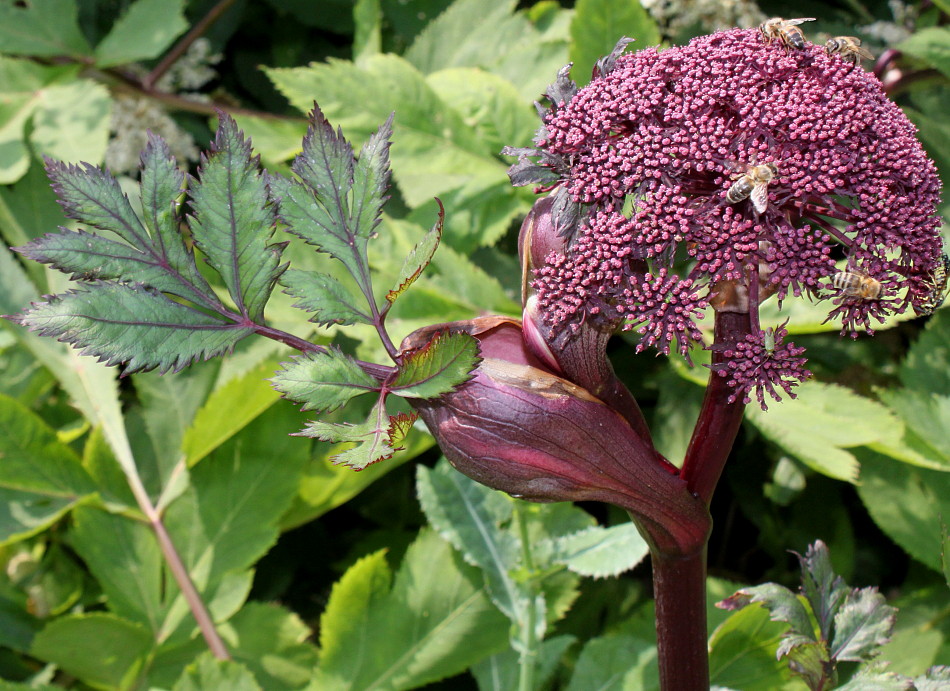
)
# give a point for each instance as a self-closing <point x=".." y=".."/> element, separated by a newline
<point x="234" y="220"/>
<point x="931" y="46"/>
<point x="500" y="671"/>
<point x="132" y="324"/>
<point x="742" y="653"/>
<point x="323" y="381"/>
<point x="207" y="672"/>
<point x="596" y="26"/>
<point x="272" y="642"/>
<point x="371" y="438"/>
<point x="99" y="649"/>
<point x="445" y="362"/>
<point x="143" y="32"/>
<point x="862" y="625"/>
<point x="824" y="589"/>
<point x="325" y="296"/>
<point x="616" y="663"/>
<point x="808" y="660"/>
<point x="46" y="28"/>
<point x="433" y="623"/>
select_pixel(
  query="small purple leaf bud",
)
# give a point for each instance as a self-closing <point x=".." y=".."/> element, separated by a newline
<point x="518" y="427"/>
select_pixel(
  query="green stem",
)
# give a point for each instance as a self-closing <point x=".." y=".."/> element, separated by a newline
<point x="528" y="662"/>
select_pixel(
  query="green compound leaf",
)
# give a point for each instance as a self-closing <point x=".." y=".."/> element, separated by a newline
<point x="156" y="257"/>
<point x="438" y="367"/>
<point x="132" y="324"/>
<point x="325" y="296"/>
<point x="45" y="28"/>
<point x="418" y="259"/>
<point x="234" y="219"/>
<point x="323" y="381"/>
<point x="374" y="439"/>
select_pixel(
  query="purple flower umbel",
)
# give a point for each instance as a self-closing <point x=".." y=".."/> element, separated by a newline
<point x="650" y="159"/>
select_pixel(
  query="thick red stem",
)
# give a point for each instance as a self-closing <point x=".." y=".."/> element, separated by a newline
<point x="679" y="588"/>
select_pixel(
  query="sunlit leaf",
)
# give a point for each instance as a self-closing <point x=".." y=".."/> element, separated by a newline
<point x="418" y="259"/>
<point x="862" y="625"/>
<point x="825" y="590"/>
<point x="43" y="29"/>
<point x="371" y="438"/>
<point x="143" y="31"/>
<point x="598" y="24"/>
<point x="207" y="672"/>
<point x="323" y="381"/>
<point x="600" y="552"/>
<point x="325" y="296"/>
<point x="444" y="363"/>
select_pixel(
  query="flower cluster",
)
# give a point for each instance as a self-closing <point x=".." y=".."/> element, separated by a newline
<point x="721" y="173"/>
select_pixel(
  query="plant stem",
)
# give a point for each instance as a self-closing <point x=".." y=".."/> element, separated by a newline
<point x="679" y="589"/>
<point x="528" y="661"/>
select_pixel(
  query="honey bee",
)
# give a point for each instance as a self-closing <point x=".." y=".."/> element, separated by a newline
<point x="784" y="30"/>
<point x="938" y="288"/>
<point x="849" y="47"/>
<point x="753" y="184"/>
<point x="857" y="284"/>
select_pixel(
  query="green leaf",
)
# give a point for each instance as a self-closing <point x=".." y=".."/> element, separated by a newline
<point x="926" y="418"/>
<point x="442" y="364"/>
<point x="325" y="296"/>
<point x="234" y="219"/>
<point x="434" y="622"/>
<point x="418" y="259"/>
<point x="368" y="17"/>
<point x="927" y="365"/>
<point x="143" y="32"/>
<point x="42" y="29"/>
<point x="132" y="324"/>
<point x="616" y="663"/>
<point x="601" y="552"/>
<point x="783" y="605"/>
<point x="742" y="653"/>
<point x="124" y="557"/>
<point x="598" y="25"/>
<point x="373" y="438"/>
<point x="824" y="589"/>
<point x="71" y="122"/>
<point x="932" y="45"/>
<point x="99" y="649"/>
<point x="500" y="671"/>
<point x="907" y="503"/>
<point x="228" y="410"/>
<point x="808" y="660"/>
<point x="862" y="625"/>
<point x="323" y="381"/>
<point x="822" y="422"/>
<point x="469" y="516"/>
<point x="40" y="477"/>
<point x="207" y="672"/>
<point x="272" y="643"/>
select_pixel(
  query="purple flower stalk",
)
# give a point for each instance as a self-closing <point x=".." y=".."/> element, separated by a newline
<point x="721" y="173"/>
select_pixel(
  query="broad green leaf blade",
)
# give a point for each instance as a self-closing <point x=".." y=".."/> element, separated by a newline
<point x="134" y="325"/>
<point x="418" y="259"/>
<point x="234" y="220"/>
<point x="862" y="625"/>
<point x="41" y="29"/>
<point x="143" y="32"/>
<point x="783" y="605"/>
<point x="742" y="653"/>
<point x="373" y="438"/>
<point x="927" y="366"/>
<point x="926" y="418"/>
<point x="616" y="663"/>
<point x="40" y="477"/>
<point x="71" y="122"/>
<point x="367" y="39"/>
<point x="824" y="421"/>
<point x="273" y="643"/>
<point x="907" y="503"/>
<point x="323" y="381"/>
<point x="598" y="25"/>
<point x="600" y="552"/>
<point x="124" y="557"/>
<point x="325" y="296"/>
<point x="434" y="623"/>
<point x="822" y="587"/>
<point x="207" y="672"/>
<point x="930" y="45"/>
<point x="500" y="672"/>
<point x="442" y="364"/>
<point x="469" y="516"/>
<point x="99" y="649"/>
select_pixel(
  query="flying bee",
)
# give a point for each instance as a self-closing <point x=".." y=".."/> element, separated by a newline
<point x="784" y="30"/>
<point x="857" y="284"/>
<point x="849" y="47"/>
<point x="938" y="288"/>
<point x="753" y="184"/>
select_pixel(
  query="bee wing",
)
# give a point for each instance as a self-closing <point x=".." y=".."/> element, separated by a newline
<point x="800" y="20"/>
<point x="760" y="197"/>
<point x="863" y="52"/>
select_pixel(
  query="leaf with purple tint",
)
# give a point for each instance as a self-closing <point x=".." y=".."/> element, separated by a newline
<point x="372" y="438"/>
<point x="782" y="603"/>
<point x="325" y="296"/>
<point x="824" y="589"/>
<point x="862" y="624"/>
<point x="132" y="324"/>
<point x="155" y="254"/>
<point x="336" y="203"/>
<point x="323" y="381"/>
<point x="234" y="220"/>
<point x="438" y="367"/>
<point x="418" y="259"/>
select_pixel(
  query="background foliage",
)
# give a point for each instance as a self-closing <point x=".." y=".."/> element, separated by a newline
<point x="323" y="578"/>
